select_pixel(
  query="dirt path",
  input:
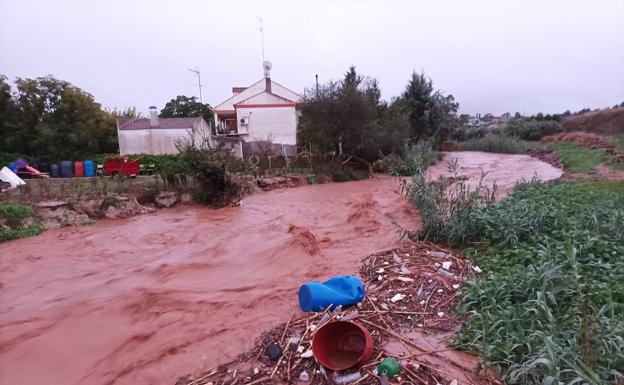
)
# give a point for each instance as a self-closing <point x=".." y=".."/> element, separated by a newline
<point x="146" y="300"/>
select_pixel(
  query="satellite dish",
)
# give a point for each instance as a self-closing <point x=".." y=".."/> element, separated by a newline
<point x="267" y="68"/>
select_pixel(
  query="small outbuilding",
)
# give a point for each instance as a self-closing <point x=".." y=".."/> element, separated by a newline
<point x="156" y="136"/>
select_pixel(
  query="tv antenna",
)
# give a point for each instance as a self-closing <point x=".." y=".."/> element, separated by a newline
<point x="261" y="29"/>
<point x="196" y="72"/>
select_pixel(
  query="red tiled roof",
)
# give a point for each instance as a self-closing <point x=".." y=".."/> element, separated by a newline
<point x="144" y="123"/>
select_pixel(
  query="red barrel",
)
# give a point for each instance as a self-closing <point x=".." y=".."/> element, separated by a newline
<point x="78" y="168"/>
<point x="342" y="344"/>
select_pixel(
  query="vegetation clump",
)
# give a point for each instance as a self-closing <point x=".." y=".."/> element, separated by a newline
<point x="214" y="186"/>
<point x="533" y="129"/>
<point x="503" y="144"/>
<point x="550" y="306"/>
<point x="17" y="221"/>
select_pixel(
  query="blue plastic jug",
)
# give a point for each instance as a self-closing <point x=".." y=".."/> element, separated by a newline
<point x="342" y="290"/>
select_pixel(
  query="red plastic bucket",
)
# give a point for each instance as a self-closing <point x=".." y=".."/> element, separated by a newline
<point x="342" y="344"/>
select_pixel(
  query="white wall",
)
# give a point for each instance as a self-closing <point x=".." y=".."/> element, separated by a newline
<point x="277" y="123"/>
<point x="154" y="141"/>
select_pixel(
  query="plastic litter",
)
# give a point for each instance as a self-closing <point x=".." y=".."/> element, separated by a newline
<point x="348" y="378"/>
<point x="8" y="176"/>
<point x="294" y="340"/>
<point x="389" y="366"/>
<point x="477" y="269"/>
<point x="341" y="290"/>
<point x="397" y="297"/>
<point x="454" y="382"/>
<point x="445" y="273"/>
<point x="304" y="376"/>
<point x="274" y="352"/>
<point x="351" y="316"/>
<point x="447" y="265"/>
<point x="456" y="286"/>
<point x="307" y="354"/>
<point x="340" y="345"/>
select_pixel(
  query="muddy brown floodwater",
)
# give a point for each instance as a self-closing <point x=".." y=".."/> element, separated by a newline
<point x="149" y="299"/>
<point x="146" y="300"/>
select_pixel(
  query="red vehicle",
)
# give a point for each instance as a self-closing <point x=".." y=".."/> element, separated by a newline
<point x="122" y="166"/>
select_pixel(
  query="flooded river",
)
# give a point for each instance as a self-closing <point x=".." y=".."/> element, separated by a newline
<point x="155" y="297"/>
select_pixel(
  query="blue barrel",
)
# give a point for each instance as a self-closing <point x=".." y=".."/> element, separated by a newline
<point x="341" y="290"/>
<point x="55" y="170"/>
<point x="89" y="168"/>
<point x="67" y="169"/>
<point x="13" y="166"/>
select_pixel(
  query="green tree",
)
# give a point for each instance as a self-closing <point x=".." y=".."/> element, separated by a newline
<point x="431" y="113"/>
<point x="51" y="118"/>
<point x="185" y="107"/>
<point x="349" y="114"/>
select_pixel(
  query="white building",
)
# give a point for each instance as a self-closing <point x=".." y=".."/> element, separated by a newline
<point x="156" y="135"/>
<point x="265" y="112"/>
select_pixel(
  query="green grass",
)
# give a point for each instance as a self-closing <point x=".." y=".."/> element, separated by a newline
<point x="549" y="307"/>
<point x="576" y="158"/>
<point x="12" y="216"/>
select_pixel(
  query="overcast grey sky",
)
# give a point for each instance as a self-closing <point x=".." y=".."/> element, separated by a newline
<point x="493" y="56"/>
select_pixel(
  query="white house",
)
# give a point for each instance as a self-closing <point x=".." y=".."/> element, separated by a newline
<point x="156" y="135"/>
<point x="265" y="112"/>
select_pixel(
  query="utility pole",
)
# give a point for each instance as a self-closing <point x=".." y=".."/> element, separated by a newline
<point x="317" y="94"/>
<point x="196" y="72"/>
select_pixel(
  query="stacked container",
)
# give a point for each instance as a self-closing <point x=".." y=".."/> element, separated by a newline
<point x="67" y="169"/>
<point x="79" y="169"/>
<point x="89" y="168"/>
<point x="55" y="171"/>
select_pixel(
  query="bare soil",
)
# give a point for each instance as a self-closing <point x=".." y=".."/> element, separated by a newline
<point x="606" y="121"/>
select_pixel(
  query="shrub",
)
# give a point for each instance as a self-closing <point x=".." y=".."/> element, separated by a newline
<point x="531" y="129"/>
<point x="391" y="163"/>
<point x="496" y="143"/>
<point x="213" y="185"/>
<point x="420" y="156"/>
<point x="447" y="210"/>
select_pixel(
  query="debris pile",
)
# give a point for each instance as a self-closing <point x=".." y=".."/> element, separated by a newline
<point x="412" y="289"/>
